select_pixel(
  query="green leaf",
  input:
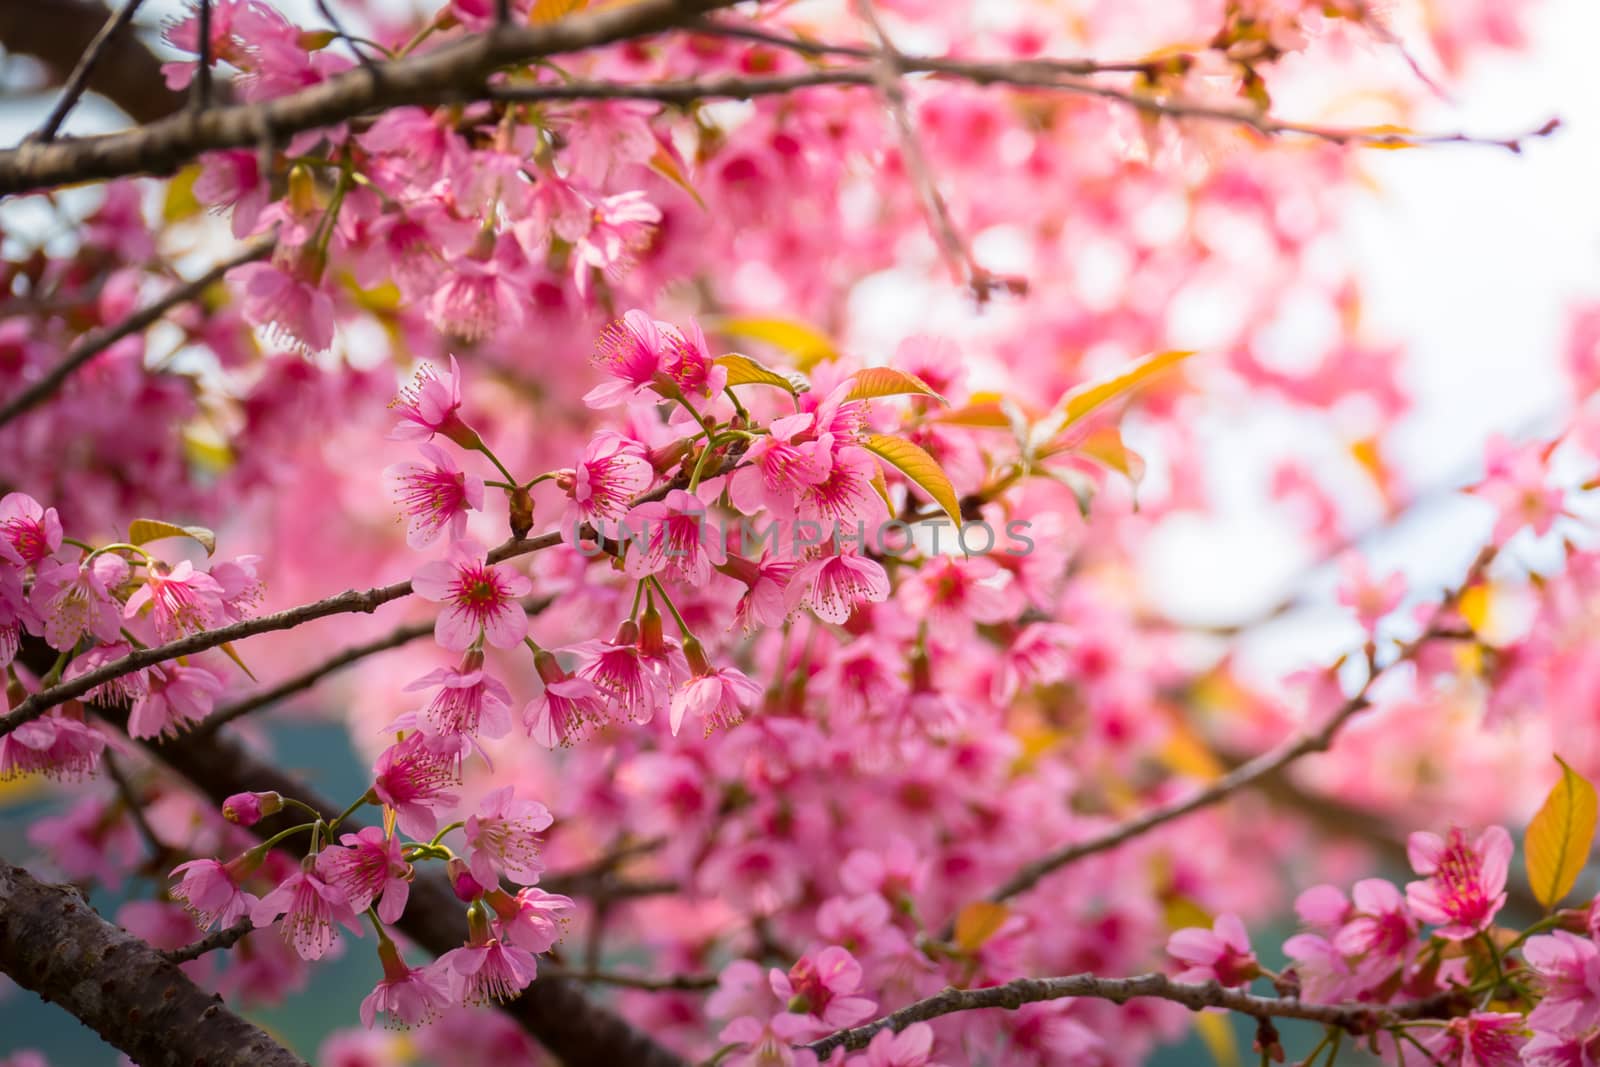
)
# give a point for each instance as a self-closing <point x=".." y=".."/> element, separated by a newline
<point x="742" y="370"/>
<point x="143" y="531"/>
<point x="805" y="344"/>
<point x="915" y="463"/>
<point x="1091" y="396"/>
<point x="886" y="381"/>
<point x="1559" y="837"/>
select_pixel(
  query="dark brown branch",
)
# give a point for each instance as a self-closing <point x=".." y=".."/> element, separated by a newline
<point x="555" y="1011"/>
<point x="130" y="800"/>
<point x="1242" y="777"/>
<point x="78" y="80"/>
<point x="306" y="679"/>
<point x="102" y="339"/>
<point x="1357" y="1018"/>
<point x="226" y="937"/>
<point x="671" y="983"/>
<point x="59" y="33"/>
<point x="53" y="943"/>
<point x="449" y="73"/>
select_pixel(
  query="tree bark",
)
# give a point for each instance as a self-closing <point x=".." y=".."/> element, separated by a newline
<point x="57" y="33"/>
<point x="53" y="942"/>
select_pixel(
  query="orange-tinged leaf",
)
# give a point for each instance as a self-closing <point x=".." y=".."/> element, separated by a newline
<point x="1558" y="839"/>
<point x="1476" y="605"/>
<point x="667" y="163"/>
<point x="546" y="11"/>
<point x="915" y="463"/>
<point x="141" y="531"/>
<point x="1091" y="396"/>
<point x="233" y="654"/>
<point x="984" y="416"/>
<point x="886" y="381"/>
<point x="742" y="370"/>
<point x="1185" y="753"/>
<point x="1106" y="447"/>
<point x="804" y="343"/>
<point x="977" y="922"/>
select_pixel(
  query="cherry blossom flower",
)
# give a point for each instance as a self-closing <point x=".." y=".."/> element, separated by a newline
<point x="1464" y="880"/>
<point x="309" y="907"/>
<point x="1516" y="485"/>
<point x="834" y="586"/>
<point x="247" y="809"/>
<point x="687" y="361"/>
<point x="53" y="746"/>
<point x="1370" y="599"/>
<point x="777" y="467"/>
<point x="29" y="532"/>
<point x="768" y="584"/>
<point x="231" y="181"/>
<point x="1569" y="969"/>
<point x="717" y="696"/>
<point x="1220" y="954"/>
<point x="911" y="1047"/>
<point x="823" y="990"/>
<point x="181" y="601"/>
<point x="76" y="599"/>
<point x="288" y="300"/>
<point x="567" y="706"/>
<point x="123" y="689"/>
<point x="632" y="351"/>
<point x="178" y="697"/>
<point x="602" y="487"/>
<point x="210" y="890"/>
<point x="619" y="672"/>
<point x="503" y="838"/>
<point x="672" y="537"/>
<point x="435" y="496"/>
<point x="470" y="701"/>
<point x="480" y="598"/>
<point x="414" y="780"/>
<point x="368" y="867"/>
<point x="619" y="229"/>
<point x="431" y="405"/>
<point x="1482" y="1039"/>
<point x="488" y="973"/>
<point x="531" y="920"/>
<point x="407" y="996"/>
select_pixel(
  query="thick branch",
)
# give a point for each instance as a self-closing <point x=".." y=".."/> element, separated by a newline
<point x="102" y="339"/>
<point x="450" y="73"/>
<point x="1359" y="1018"/>
<point x="53" y="943"/>
<point x="59" y="33"/>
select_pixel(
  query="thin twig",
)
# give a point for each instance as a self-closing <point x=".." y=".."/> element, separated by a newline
<point x="105" y="337"/>
<point x="306" y="679"/>
<point x="889" y="69"/>
<point x="226" y="937"/>
<point x="78" y="80"/>
<point x="130" y="800"/>
<point x="1243" y="776"/>
<point x="202" y="75"/>
<point x="1361" y="1018"/>
<point x="347" y="602"/>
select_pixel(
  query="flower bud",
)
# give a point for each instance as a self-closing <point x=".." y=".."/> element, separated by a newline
<point x="465" y="886"/>
<point x="521" y="512"/>
<point x="247" y="809"/>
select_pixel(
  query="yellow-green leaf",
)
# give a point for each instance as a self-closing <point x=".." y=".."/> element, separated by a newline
<point x="977" y="922"/>
<point x="1217" y="1033"/>
<point x="1091" y="396"/>
<point x="742" y="370"/>
<point x="1559" y="837"/>
<point x="142" y="531"/>
<point x="547" y="11"/>
<point x="233" y="654"/>
<point x="179" y="202"/>
<point x="915" y="463"/>
<point x="988" y="415"/>
<point x="886" y="381"/>
<point x="1106" y="447"/>
<point x="808" y="346"/>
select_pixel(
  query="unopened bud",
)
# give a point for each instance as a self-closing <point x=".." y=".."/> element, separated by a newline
<point x="247" y="809"/>
<point x="521" y="512"/>
<point x="465" y="886"/>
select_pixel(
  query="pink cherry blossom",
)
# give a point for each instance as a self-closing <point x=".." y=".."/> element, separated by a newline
<point x="368" y="866"/>
<point x="309" y="907"/>
<point x="603" y="486"/>
<point x="430" y="405"/>
<point x="531" y="920"/>
<point x="434" y="497"/>
<point x="210" y="890"/>
<point x="1482" y="1039"/>
<point x="672" y="537"/>
<point x="834" y="586"/>
<point x="470" y="701"/>
<point x="503" y="836"/>
<point x="76" y="599"/>
<point x="406" y="996"/>
<point x="415" y="781"/>
<point x="778" y="466"/>
<point x="53" y="746"/>
<point x="488" y="973"/>
<point x="1464" y="880"/>
<point x="480" y="599"/>
<point x="717" y="697"/>
<point x="1569" y="969"/>
<point x="619" y="672"/>
<point x="823" y="990"/>
<point x="29" y="532"/>
<point x="631" y="350"/>
<point x="566" y="706"/>
<point x="178" y="697"/>
<point x="181" y="601"/>
<point x="1220" y="954"/>
<point x="1370" y="599"/>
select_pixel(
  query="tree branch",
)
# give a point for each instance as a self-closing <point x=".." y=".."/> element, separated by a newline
<point x="78" y="80"/>
<point x="106" y="336"/>
<point x="1245" y="775"/>
<point x="53" y="943"/>
<point x="1359" y="1018"/>
<point x="226" y="937"/>
<point x="59" y="33"/>
<point x="455" y="71"/>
